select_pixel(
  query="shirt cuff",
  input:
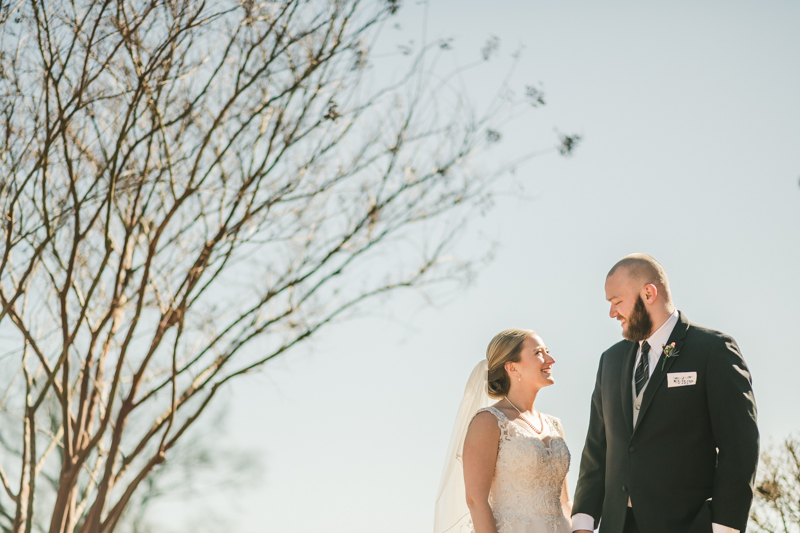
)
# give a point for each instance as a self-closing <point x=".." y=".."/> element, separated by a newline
<point x="585" y="521"/>
<point x="719" y="528"/>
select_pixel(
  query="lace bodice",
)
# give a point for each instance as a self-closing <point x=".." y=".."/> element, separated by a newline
<point x="529" y="476"/>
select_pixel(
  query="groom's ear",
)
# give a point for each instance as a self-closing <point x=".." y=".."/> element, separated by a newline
<point x="649" y="293"/>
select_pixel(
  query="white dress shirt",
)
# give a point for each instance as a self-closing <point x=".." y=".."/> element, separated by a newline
<point x="656" y="342"/>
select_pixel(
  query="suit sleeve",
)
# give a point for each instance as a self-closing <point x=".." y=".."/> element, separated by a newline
<point x="732" y="409"/>
<point x="590" y="491"/>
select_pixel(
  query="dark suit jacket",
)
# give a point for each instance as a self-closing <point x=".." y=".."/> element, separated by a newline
<point x="691" y="443"/>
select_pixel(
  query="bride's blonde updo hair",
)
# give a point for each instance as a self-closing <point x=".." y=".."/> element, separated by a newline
<point x="504" y="348"/>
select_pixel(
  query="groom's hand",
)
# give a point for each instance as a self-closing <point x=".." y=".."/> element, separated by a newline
<point x="581" y="531"/>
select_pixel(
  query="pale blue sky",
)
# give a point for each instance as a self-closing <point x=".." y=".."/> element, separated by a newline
<point x="691" y="120"/>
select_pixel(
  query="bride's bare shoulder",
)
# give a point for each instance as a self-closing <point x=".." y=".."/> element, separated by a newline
<point x="491" y="416"/>
<point x="509" y="412"/>
<point x="483" y="425"/>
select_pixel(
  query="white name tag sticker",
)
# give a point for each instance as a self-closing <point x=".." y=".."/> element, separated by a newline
<point x="681" y="379"/>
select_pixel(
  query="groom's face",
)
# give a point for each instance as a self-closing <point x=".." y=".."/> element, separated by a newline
<point x="627" y="306"/>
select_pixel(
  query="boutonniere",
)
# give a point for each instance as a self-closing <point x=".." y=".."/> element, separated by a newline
<point x="669" y="351"/>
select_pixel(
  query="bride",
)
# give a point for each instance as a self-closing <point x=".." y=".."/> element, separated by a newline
<point x="506" y="466"/>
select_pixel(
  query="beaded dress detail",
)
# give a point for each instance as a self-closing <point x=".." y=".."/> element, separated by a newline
<point x="529" y="475"/>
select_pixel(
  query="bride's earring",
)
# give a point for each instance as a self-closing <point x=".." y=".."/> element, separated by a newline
<point x="519" y="378"/>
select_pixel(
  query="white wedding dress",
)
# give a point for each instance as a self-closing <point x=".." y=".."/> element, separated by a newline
<point x="526" y="493"/>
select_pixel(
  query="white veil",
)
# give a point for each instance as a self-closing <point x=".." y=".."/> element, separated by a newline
<point x="452" y="513"/>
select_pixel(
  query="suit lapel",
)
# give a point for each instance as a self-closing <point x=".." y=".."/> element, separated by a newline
<point x="662" y="367"/>
<point x="627" y="384"/>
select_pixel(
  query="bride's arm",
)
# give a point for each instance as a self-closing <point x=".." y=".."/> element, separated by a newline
<point x="566" y="503"/>
<point x="480" y="456"/>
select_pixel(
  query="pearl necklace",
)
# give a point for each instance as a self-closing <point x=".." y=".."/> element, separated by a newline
<point x="537" y="431"/>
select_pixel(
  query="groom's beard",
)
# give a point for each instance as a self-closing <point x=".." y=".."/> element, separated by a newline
<point x="639" y="323"/>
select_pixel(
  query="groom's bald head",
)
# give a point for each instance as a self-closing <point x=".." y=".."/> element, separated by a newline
<point x="642" y="270"/>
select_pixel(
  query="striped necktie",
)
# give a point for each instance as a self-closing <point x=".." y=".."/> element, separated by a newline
<point x="643" y="368"/>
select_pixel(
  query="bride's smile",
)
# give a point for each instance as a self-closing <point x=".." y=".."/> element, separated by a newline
<point x="534" y="370"/>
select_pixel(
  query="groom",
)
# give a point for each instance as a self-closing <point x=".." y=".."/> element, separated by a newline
<point x="672" y="445"/>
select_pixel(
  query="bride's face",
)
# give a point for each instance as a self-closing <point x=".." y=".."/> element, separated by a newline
<point x="535" y="366"/>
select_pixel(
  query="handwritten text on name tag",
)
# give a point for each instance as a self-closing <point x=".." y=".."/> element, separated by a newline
<point x="681" y="379"/>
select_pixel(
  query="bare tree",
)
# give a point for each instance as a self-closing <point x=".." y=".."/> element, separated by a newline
<point x="189" y="189"/>
<point x="777" y="504"/>
<point x="200" y="471"/>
